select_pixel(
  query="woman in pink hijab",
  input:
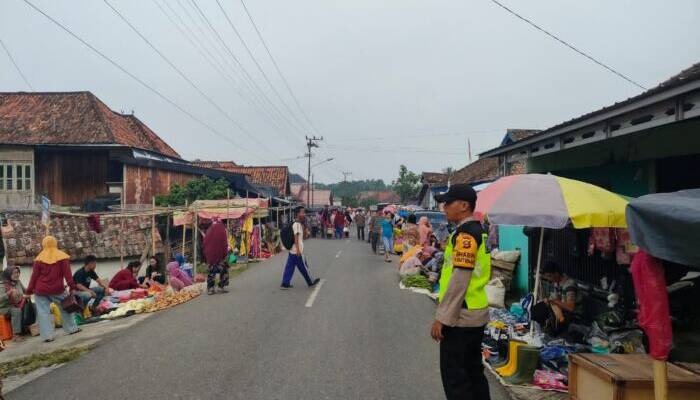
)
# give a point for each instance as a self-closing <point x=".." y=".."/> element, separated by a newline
<point x="178" y="279"/>
<point x="424" y="231"/>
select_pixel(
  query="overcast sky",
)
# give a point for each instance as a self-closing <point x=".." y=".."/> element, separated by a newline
<point x="378" y="79"/>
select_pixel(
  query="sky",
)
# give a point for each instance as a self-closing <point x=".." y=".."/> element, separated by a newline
<point x="384" y="82"/>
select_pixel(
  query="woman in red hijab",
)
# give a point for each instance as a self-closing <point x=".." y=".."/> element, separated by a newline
<point x="215" y="251"/>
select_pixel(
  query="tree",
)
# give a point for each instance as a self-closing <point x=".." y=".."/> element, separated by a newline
<point x="197" y="189"/>
<point x="407" y="185"/>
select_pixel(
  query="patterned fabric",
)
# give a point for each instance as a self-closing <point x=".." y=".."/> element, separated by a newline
<point x="222" y="270"/>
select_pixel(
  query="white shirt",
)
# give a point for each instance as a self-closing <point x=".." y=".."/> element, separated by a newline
<point x="298" y="230"/>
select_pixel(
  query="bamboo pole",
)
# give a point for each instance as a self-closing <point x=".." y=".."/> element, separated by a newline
<point x="121" y="244"/>
<point x="195" y="230"/>
<point x="184" y="232"/>
<point x="245" y="234"/>
<point x="660" y="380"/>
<point x="153" y="227"/>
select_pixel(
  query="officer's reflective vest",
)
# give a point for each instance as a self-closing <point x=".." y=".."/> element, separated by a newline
<point x="481" y="274"/>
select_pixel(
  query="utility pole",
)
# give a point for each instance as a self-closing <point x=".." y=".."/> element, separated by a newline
<point x="310" y="143"/>
<point x="345" y="175"/>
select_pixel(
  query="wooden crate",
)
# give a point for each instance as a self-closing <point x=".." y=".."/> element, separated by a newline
<point x="625" y="377"/>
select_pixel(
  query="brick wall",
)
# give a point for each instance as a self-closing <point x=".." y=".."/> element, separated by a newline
<point x="23" y="234"/>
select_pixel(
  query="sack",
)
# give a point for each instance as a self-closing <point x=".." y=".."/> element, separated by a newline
<point x="496" y="293"/>
<point x="287" y="236"/>
<point x="28" y="313"/>
<point x="72" y="303"/>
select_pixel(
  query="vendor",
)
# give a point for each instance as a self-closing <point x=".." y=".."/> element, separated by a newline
<point x="126" y="278"/>
<point x="564" y="295"/>
<point x="154" y="273"/>
<point x="83" y="279"/>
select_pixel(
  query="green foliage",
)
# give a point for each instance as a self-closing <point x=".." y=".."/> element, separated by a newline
<point x="407" y="184"/>
<point x="197" y="189"/>
<point x="352" y="188"/>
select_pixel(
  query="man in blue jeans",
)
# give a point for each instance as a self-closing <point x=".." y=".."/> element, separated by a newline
<point x="295" y="259"/>
<point x="83" y="279"/>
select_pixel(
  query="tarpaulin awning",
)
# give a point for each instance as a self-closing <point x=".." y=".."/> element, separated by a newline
<point x="667" y="225"/>
<point x="222" y="209"/>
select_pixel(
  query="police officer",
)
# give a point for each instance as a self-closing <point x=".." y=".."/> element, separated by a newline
<point x="463" y="309"/>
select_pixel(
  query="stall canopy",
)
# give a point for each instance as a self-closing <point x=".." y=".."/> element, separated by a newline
<point x="667" y="225"/>
<point x="223" y="209"/>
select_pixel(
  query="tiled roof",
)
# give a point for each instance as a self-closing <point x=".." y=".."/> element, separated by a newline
<point x="76" y="118"/>
<point x="520" y="134"/>
<point x="434" y="178"/>
<point x="481" y="170"/>
<point x="276" y="177"/>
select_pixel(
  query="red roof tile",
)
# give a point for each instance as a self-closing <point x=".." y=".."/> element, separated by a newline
<point x="381" y="196"/>
<point x="434" y="178"/>
<point x="72" y="118"/>
<point x="481" y="170"/>
<point x="275" y="176"/>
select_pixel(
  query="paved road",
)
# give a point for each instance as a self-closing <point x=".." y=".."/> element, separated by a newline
<point x="362" y="338"/>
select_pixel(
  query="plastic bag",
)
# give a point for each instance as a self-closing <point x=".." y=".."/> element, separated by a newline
<point x="627" y="342"/>
<point x="28" y="313"/>
<point x="652" y="297"/>
<point x="549" y="380"/>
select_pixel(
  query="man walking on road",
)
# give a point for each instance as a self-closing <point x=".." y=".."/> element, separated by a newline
<point x="360" y="223"/>
<point x="463" y="310"/>
<point x="295" y="259"/>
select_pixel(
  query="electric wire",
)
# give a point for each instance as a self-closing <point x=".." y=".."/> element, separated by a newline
<point x="204" y="52"/>
<point x="130" y="74"/>
<point x="259" y="67"/>
<point x="279" y="70"/>
<point x="240" y="65"/>
<point x="19" y="70"/>
<point x="570" y="46"/>
<point x="188" y="80"/>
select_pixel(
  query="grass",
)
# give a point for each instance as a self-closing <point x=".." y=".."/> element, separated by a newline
<point x="25" y="365"/>
<point x="234" y="270"/>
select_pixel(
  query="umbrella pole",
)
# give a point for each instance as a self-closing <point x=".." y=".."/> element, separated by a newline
<point x="537" y="276"/>
<point x="660" y="380"/>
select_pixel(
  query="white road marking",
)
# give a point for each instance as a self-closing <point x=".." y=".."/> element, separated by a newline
<point x="312" y="296"/>
<point x="339" y="252"/>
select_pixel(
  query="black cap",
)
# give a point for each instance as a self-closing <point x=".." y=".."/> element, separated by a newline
<point x="459" y="191"/>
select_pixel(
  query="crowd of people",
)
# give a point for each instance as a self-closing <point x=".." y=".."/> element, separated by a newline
<point x="52" y="283"/>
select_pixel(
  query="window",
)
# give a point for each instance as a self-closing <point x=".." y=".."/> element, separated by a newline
<point x="15" y="176"/>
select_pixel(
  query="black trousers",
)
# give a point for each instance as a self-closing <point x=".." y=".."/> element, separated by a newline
<point x="460" y="364"/>
<point x="361" y="232"/>
<point x="373" y="239"/>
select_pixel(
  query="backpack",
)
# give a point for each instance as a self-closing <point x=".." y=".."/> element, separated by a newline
<point x="287" y="236"/>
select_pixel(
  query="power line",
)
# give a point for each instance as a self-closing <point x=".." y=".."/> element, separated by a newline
<point x="204" y="52"/>
<point x="419" y="136"/>
<point x="240" y="65"/>
<point x="279" y="70"/>
<point x="130" y="74"/>
<point x="19" y="70"/>
<point x="254" y="96"/>
<point x="581" y="52"/>
<point x="401" y="149"/>
<point x="257" y="64"/>
<point x="187" y="79"/>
